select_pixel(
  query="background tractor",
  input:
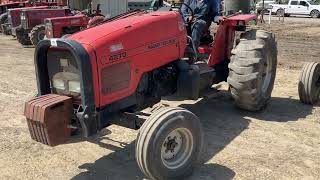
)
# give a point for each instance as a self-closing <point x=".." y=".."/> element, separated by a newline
<point x="20" y="4"/>
<point x="57" y="27"/>
<point x="32" y="28"/>
<point x="65" y="26"/>
<point x="110" y="73"/>
<point x="14" y="19"/>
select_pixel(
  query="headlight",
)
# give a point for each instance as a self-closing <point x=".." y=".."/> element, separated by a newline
<point x="74" y="86"/>
<point x="58" y="84"/>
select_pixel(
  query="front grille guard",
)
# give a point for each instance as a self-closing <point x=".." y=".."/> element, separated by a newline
<point x="87" y="117"/>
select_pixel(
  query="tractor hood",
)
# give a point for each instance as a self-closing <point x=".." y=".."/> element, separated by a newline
<point x="105" y="31"/>
<point x="131" y="33"/>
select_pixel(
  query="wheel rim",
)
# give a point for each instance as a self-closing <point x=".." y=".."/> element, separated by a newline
<point x="177" y="148"/>
<point x="41" y="35"/>
<point x="267" y="74"/>
<point x="314" y="14"/>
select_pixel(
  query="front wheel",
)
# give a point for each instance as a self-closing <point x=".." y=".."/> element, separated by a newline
<point x="169" y="144"/>
<point x="37" y="34"/>
<point x="315" y="14"/>
<point x="252" y="70"/>
<point x="309" y="83"/>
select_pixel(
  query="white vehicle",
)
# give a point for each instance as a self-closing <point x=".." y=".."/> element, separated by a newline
<point x="267" y="4"/>
<point x="297" y="7"/>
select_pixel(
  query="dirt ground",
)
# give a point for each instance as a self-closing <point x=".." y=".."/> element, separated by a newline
<point x="281" y="142"/>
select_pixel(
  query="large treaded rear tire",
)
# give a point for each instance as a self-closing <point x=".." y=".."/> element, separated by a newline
<point x="153" y="141"/>
<point x="309" y="83"/>
<point x="253" y="69"/>
<point x="37" y="34"/>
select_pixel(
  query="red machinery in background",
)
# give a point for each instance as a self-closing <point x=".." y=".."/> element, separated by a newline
<point x="32" y="29"/>
<point x="20" y="4"/>
<point x="14" y="19"/>
<point x="58" y="27"/>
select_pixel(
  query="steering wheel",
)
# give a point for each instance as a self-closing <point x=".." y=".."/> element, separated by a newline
<point x="190" y="9"/>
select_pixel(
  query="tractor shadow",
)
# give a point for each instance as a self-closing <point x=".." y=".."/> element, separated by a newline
<point x="222" y="123"/>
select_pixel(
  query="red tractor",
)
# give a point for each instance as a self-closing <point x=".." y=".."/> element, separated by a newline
<point x="109" y="73"/>
<point x="32" y="29"/>
<point x="58" y="27"/>
<point x="20" y="4"/>
<point x="14" y="19"/>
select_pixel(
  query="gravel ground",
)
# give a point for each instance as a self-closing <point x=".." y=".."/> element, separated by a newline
<point x="281" y="142"/>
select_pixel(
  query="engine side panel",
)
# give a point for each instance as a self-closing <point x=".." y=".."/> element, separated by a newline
<point x="143" y="43"/>
<point x="142" y="47"/>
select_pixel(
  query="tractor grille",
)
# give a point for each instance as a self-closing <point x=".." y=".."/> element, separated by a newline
<point x="24" y="22"/>
<point x="63" y="68"/>
<point x="48" y="118"/>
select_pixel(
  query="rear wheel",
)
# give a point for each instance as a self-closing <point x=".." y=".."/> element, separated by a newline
<point x="253" y="69"/>
<point x="169" y="144"/>
<point x="37" y="34"/>
<point x="315" y="13"/>
<point x="309" y="83"/>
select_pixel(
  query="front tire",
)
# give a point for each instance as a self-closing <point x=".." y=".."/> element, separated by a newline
<point x="3" y="18"/>
<point x="309" y="83"/>
<point x="169" y="144"/>
<point x="315" y="14"/>
<point x="253" y="70"/>
<point x="280" y="12"/>
<point x="37" y="34"/>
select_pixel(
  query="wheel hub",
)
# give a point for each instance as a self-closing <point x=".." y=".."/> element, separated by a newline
<point x="177" y="148"/>
<point x="41" y="35"/>
<point x="172" y="145"/>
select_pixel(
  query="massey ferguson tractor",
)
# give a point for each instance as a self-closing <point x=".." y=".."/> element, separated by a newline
<point x="61" y="27"/>
<point x="20" y="4"/>
<point x="58" y="27"/>
<point x="14" y="19"/>
<point x="32" y="28"/>
<point x="111" y="73"/>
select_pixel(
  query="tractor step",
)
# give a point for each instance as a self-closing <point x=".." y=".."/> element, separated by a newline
<point x="48" y="118"/>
